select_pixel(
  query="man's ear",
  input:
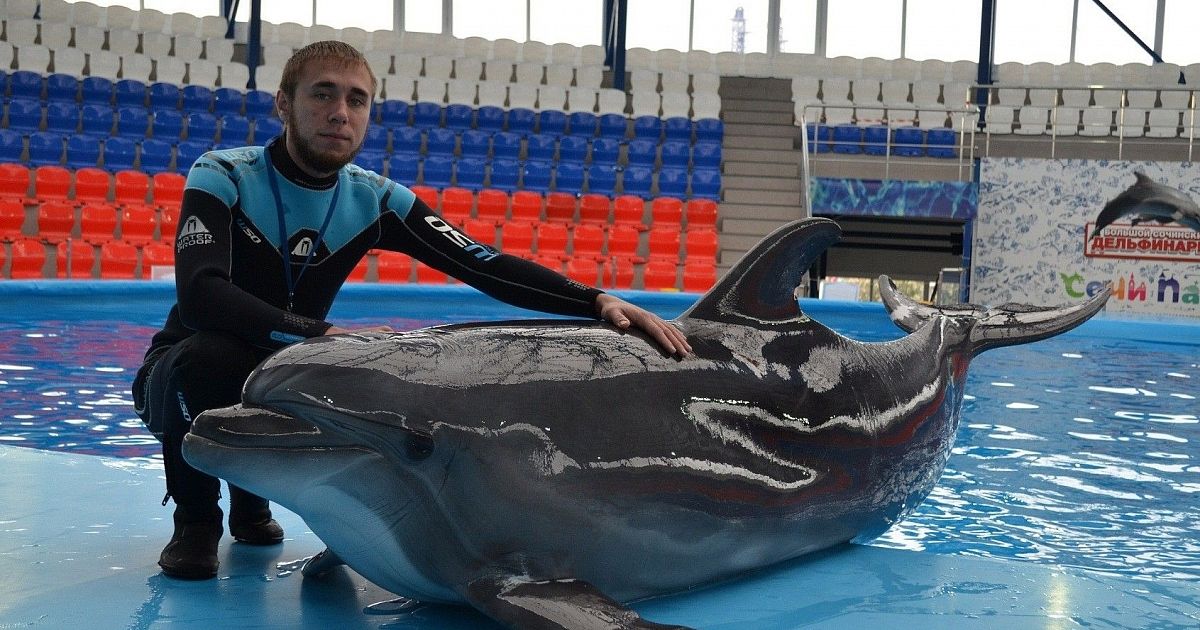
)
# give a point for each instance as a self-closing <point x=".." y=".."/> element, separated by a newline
<point x="281" y="104"/>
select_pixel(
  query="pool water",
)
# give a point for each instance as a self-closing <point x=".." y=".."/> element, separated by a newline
<point x="1078" y="451"/>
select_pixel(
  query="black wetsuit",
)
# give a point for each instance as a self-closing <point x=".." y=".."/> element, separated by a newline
<point x="234" y="306"/>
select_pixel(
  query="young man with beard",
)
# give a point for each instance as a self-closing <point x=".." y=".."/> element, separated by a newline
<point x="267" y="236"/>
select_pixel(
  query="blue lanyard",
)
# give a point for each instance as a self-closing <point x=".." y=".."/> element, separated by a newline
<point x="283" y="233"/>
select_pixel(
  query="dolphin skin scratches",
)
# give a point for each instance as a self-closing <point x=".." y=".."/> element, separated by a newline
<point x="547" y="472"/>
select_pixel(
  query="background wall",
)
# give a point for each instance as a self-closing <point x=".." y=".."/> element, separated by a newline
<point x="1031" y="234"/>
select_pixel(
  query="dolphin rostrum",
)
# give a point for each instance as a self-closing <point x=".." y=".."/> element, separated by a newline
<point x="546" y="471"/>
<point x="1149" y="200"/>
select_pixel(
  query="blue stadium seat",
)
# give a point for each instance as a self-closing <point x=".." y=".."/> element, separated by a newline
<point x="235" y="130"/>
<point x="710" y="129"/>
<point x="437" y="171"/>
<point x="133" y="122"/>
<point x="908" y="141"/>
<point x="45" y="148"/>
<point x="673" y="182"/>
<point x="202" y="127"/>
<point x="583" y="124"/>
<point x="404" y="167"/>
<point x="98" y="90"/>
<point x="119" y="154"/>
<point x="636" y="180"/>
<point x="847" y="138"/>
<point x="504" y="175"/>
<point x="188" y="152"/>
<point x="267" y="128"/>
<point x="475" y="144"/>
<point x="818" y="137"/>
<point x="678" y="128"/>
<point x="62" y="117"/>
<point x="706" y="153"/>
<point x="613" y="126"/>
<point x="568" y="177"/>
<point x="540" y="147"/>
<point x="536" y="176"/>
<point x="642" y="152"/>
<point x="25" y="114"/>
<point x="25" y="84"/>
<point x="605" y="151"/>
<point x="427" y="115"/>
<point x="155" y="156"/>
<point x="167" y="125"/>
<point x="440" y="141"/>
<point x="469" y="173"/>
<point x="941" y="142"/>
<point x="489" y="118"/>
<point x="164" y="95"/>
<point x="572" y="149"/>
<point x="376" y="139"/>
<point x="227" y="100"/>
<point x="62" y="87"/>
<point x="12" y="145"/>
<point x="648" y="127"/>
<point x="258" y="104"/>
<point x="197" y="98"/>
<point x="551" y="121"/>
<point x="875" y="139"/>
<point x="371" y="160"/>
<point x="675" y="154"/>
<point x="602" y="178"/>
<point x="706" y="183"/>
<point x="393" y="113"/>
<point x="520" y="120"/>
<point x="506" y="146"/>
<point x="130" y="92"/>
<point x="96" y="120"/>
<point x="459" y="117"/>
<point x="406" y="140"/>
<point x="83" y="151"/>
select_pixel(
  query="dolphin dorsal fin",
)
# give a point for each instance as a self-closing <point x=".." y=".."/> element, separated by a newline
<point x="761" y="287"/>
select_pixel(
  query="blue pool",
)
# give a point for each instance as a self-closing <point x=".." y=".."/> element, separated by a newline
<point x="1080" y="452"/>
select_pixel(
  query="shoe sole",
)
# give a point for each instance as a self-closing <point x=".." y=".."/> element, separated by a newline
<point x="185" y="574"/>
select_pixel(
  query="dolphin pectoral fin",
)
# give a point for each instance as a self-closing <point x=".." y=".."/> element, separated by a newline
<point x="321" y="563"/>
<point x="522" y="603"/>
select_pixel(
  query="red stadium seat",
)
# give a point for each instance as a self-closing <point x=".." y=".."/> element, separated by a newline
<point x="12" y="218"/>
<point x="428" y="194"/>
<point x="429" y="275"/>
<point x="666" y="212"/>
<point x="701" y="213"/>
<point x="75" y="259"/>
<point x="664" y="243"/>
<point x="560" y="207"/>
<point x="629" y="210"/>
<point x="393" y="266"/>
<point x="701" y="245"/>
<point x="492" y="205"/>
<point x="168" y="189"/>
<point x="14" y="180"/>
<point x="550" y="262"/>
<point x="527" y="206"/>
<point x="594" y="208"/>
<point x="51" y="183"/>
<point x="481" y="231"/>
<point x="92" y="185"/>
<point x="617" y="273"/>
<point x="699" y="277"/>
<point x="97" y="223"/>
<point x="623" y="242"/>
<point x="552" y="240"/>
<point x="160" y="255"/>
<point x="137" y="224"/>
<point x="659" y="275"/>
<point x="168" y="222"/>
<point x="587" y="241"/>
<point x="118" y="261"/>
<point x="131" y="188"/>
<point x="583" y="270"/>
<point x="359" y="273"/>
<point x="517" y="239"/>
<point x="456" y="204"/>
<point x="28" y="259"/>
<point x="55" y="221"/>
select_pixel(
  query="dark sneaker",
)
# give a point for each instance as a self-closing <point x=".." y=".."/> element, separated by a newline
<point x="259" y="531"/>
<point x="192" y="552"/>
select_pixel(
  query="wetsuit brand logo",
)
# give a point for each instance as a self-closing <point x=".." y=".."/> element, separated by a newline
<point x="193" y="233"/>
<point x="303" y="247"/>
<point x="481" y="252"/>
<point x="248" y="232"/>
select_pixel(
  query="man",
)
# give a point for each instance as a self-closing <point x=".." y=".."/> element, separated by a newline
<point x="300" y="200"/>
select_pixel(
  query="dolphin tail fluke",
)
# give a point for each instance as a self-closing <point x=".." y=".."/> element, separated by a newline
<point x="1004" y="325"/>
<point x="521" y="603"/>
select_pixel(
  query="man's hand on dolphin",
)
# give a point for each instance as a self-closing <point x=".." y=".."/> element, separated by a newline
<point x="622" y="314"/>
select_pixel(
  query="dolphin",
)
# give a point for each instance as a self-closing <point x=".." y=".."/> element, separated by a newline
<point x="1149" y="200"/>
<point x="548" y="472"/>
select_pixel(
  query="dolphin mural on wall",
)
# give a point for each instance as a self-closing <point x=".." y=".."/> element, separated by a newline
<point x="1148" y="200"/>
<point x="547" y="471"/>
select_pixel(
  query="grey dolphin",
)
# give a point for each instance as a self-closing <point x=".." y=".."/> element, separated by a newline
<point x="547" y="471"/>
<point x="1149" y="200"/>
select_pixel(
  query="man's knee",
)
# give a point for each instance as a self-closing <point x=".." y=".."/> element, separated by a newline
<point x="209" y="355"/>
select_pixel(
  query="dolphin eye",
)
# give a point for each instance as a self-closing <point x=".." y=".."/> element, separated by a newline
<point x="418" y="447"/>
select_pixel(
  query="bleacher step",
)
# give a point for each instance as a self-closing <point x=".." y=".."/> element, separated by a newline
<point x="765" y="169"/>
<point x="770" y="143"/>
<point x="751" y="182"/>
<point x="743" y="117"/>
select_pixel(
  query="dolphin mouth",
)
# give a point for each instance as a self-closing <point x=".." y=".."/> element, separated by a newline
<point x="243" y="426"/>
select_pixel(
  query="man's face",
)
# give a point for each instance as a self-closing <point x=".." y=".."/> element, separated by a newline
<point x="327" y="119"/>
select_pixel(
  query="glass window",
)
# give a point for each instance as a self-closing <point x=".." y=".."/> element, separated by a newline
<point x="209" y="7"/>
<point x="279" y="12"/>
<point x="494" y="20"/>
<point x="1025" y="40"/>
<point x="656" y="24"/>
<point x="719" y="27"/>
<point x="864" y="28"/>
<point x="423" y="15"/>
<point x="942" y="29"/>
<point x="546" y="23"/>
<point x="1180" y="44"/>
<point x="798" y="26"/>
<point x="1100" y="39"/>
<point x="367" y="14"/>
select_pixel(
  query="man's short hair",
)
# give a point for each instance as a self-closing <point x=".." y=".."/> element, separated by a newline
<point x="324" y="50"/>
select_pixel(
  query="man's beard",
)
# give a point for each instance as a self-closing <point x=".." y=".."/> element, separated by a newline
<point x="319" y="162"/>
